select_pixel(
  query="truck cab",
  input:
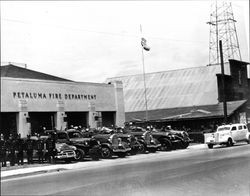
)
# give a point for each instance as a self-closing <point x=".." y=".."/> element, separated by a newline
<point x="228" y="135"/>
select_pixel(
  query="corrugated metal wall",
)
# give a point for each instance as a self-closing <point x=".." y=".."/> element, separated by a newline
<point x="171" y="89"/>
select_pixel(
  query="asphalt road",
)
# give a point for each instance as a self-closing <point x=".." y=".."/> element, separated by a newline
<point x="194" y="171"/>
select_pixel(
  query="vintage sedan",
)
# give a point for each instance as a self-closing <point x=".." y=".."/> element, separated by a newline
<point x="85" y="147"/>
<point x="64" y="152"/>
<point x="132" y="141"/>
<point x="149" y="143"/>
<point x="111" y="144"/>
<point x="180" y="139"/>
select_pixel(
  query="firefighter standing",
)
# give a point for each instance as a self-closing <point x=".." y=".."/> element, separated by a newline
<point x="40" y="149"/>
<point x="11" y="147"/>
<point x="50" y="146"/>
<point x="3" y="150"/>
<point x="29" y="149"/>
<point x="20" y="149"/>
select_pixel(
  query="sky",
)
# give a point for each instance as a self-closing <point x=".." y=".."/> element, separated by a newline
<point x="90" y="41"/>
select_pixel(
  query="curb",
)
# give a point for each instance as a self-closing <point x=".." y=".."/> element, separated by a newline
<point x="22" y="172"/>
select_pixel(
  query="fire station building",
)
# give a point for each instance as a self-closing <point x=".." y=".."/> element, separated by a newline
<point x="32" y="100"/>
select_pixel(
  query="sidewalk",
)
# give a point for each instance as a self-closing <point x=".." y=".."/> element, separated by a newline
<point x="24" y="170"/>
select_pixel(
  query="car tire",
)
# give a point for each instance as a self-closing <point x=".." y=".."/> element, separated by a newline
<point x="210" y="146"/>
<point x="106" y="153"/>
<point x="229" y="142"/>
<point x="80" y="154"/>
<point x="166" y="145"/>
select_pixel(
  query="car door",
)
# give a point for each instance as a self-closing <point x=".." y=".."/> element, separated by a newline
<point x="242" y="132"/>
<point x="245" y="132"/>
<point x="235" y="133"/>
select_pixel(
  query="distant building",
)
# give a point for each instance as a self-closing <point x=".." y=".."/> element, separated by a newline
<point x="32" y="100"/>
<point x="190" y="97"/>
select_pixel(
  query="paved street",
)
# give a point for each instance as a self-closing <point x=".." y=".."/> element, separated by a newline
<point x="193" y="171"/>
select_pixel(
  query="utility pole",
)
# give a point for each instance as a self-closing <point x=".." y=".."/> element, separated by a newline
<point x="144" y="82"/>
<point x="223" y="83"/>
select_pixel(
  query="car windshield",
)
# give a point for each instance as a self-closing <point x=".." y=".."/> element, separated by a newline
<point x="223" y="128"/>
<point x="74" y="135"/>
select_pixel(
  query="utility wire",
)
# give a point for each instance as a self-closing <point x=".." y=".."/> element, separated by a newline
<point x="105" y="33"/>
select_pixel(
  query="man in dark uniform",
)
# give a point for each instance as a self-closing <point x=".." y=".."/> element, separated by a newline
<point x="3" y="150"/>
<point x="51" y="147"/>
<point x="11" y="147"/>
<point x="20" y="149"/>
<point x="29" y="149"/>
<point x="40" y="149"/>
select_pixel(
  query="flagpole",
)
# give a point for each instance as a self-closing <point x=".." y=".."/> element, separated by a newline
<point x="144" y="80"/>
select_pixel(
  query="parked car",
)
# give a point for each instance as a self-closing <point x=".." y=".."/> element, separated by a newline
<point x="228" y="135"/>
<point x="132" y="141"/>
<point x="111" y="144"/>
<point x="64" y="151"/>
<point x="149" y="143"/>
<point x="179" y="139"/>
<point x="86" y="147"/>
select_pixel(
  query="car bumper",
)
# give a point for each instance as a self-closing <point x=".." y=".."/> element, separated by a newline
<point x="121" y="149"/>
<point x="153" y="145"/>
<point x="66" y="155"/>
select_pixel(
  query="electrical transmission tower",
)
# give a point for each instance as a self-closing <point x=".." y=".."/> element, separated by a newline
<point x="222" y="27"/>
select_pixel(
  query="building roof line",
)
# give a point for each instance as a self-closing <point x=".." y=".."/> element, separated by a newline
<point x="157" y="72"/>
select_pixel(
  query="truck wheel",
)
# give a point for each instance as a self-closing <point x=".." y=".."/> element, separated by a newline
<point x="229" y="142"/>
<point x="106" y="153"/>
<point x="166" y="145"/>
<point x="210" y="146"/>
<point x="79" y="155"/>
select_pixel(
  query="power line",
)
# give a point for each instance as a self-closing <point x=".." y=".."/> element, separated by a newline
<point x="103" y="32"/>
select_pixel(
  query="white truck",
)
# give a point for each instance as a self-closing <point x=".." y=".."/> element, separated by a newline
<point x="228" y="135"/>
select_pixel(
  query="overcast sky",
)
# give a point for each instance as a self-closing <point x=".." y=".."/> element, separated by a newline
<point x="91" y="41"/>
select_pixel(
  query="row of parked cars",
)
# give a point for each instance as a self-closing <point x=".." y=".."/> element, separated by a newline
<point x="107" y="143"/>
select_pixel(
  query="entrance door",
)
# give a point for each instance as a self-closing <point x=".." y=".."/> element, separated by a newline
<point x="77" y="119"/>
<point x="8" y="123"/>
<point x="108" y="119"/>
<point x="41" y="120"/>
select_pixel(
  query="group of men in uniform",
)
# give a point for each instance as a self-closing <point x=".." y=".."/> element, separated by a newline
<point x="14" y="148"/>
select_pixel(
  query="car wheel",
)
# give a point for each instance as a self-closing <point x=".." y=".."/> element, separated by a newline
<point x="106" y="153"/>
<point x="210" y="146"/>
<point x="79" y="155"/>
<point x="229" y="142"/>
<point x="166" y="145"/>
